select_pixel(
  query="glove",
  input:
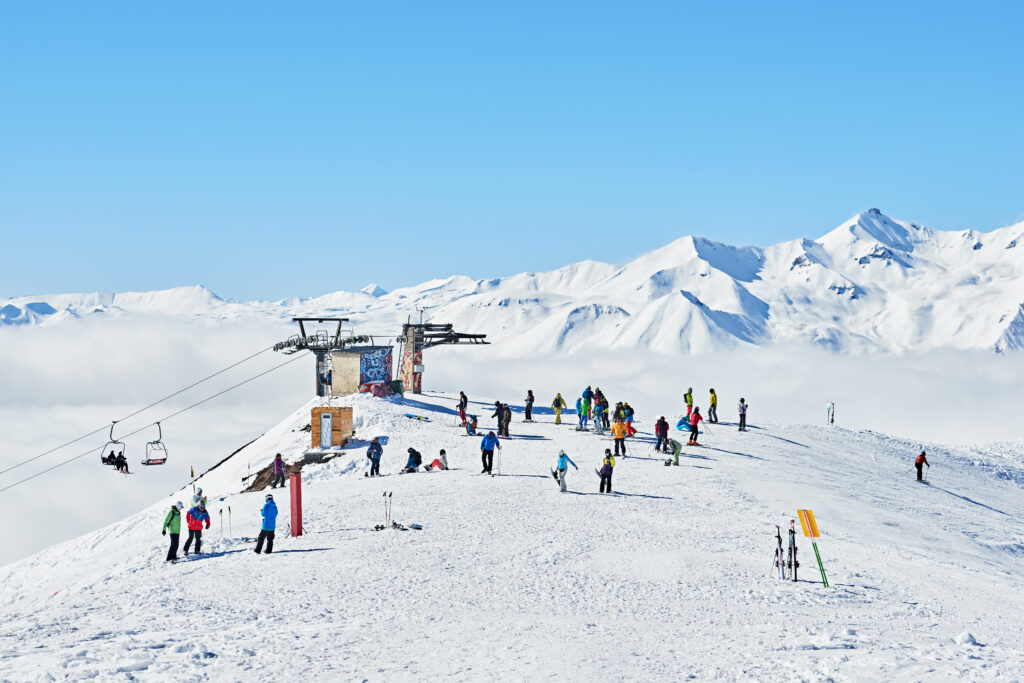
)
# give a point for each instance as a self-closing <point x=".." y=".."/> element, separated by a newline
<point x="164" y="532"/>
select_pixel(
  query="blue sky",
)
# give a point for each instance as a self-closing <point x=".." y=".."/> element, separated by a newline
<point x="268" y="150"/>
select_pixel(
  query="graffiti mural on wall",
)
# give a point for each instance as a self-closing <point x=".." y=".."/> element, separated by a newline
<point x="412" y="380"/>
<point x="374" y="368"/>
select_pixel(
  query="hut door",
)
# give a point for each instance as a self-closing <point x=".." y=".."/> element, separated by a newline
<point x="325" y="430"/>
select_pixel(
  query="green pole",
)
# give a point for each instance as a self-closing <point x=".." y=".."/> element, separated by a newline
<point x="820" y="566"/>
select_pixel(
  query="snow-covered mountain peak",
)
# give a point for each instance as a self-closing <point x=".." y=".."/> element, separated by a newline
<point x="875" y="227"/>
<point x="374" y="290"/>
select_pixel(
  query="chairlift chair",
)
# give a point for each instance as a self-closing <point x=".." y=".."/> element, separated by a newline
<point x="156" y="451"/>
<point x="113" y="446"/>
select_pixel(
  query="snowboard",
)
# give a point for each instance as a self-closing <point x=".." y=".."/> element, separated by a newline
<point x="416" y="417"/>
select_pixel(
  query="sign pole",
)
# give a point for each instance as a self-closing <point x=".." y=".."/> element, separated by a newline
<point x="810" y="529"/>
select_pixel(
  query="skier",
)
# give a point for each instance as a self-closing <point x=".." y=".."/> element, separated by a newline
<point x="688" y="397"/>
<point x="661" y="431"/>
<point x="599" y="416"/>
<point x="195" y="519"/>
<point x="618" y="414"/>
<point x="373" y="454"/>
<point x="695" y="419"/>
<point x="563" y="465"/>
<point x="278" y="472"/>
<point x="463" y="404"/>
<point x="743" y="415"/>
<point x="508" y="417"/>
<point x="607" y="466"/>
<point x="627" y="412"/>
<point x="172" y="522"/>
<point x="487" y="446"/>
<point x="557" y="405"/>
<point x="471" y="425"/>
<point x="529" y="405"/>
<point x="269" y="513"/>
<point x="713" y="408"/>
<point x="198" y="498"/>
<point x="919" y="464"/>
<point x="619" y="434"/>
<point x="676" y="449"/>
<point x="588" y="396"/>
<point x="414" y="461"/>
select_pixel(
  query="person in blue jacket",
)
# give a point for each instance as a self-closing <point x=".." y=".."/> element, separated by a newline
<point x="599" y="417"/>
<point x="373" y="453"/>
<point x="414" y="461"/>
<point x="487" y="446"/>
<point x="269" y="524"/>
<point x="563" y="466"/>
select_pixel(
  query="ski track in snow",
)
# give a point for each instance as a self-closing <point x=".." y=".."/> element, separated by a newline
<point x="667" y="579"/>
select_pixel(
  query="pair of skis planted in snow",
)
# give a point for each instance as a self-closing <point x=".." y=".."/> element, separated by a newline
<point x="786" y="559"/>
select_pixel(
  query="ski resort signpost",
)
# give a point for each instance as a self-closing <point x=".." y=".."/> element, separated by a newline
<point x="810" y="527"/>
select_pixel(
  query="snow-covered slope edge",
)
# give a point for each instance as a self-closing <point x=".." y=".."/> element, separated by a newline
<point x="665" y="579"/>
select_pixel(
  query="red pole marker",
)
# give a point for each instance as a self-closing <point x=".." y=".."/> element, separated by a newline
<point x="295" y="488"/>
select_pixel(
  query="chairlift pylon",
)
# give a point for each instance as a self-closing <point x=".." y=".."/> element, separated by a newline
<point x="114" y="447"/>
<point x="156" y="451"/>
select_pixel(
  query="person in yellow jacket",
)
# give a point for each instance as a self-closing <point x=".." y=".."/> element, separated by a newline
<point x="607" y="466"/>
<point x="557" y="405"/>
<point x="688" y="397"/>
<point x="713" y="409"/>
<point x="619" y="433"/>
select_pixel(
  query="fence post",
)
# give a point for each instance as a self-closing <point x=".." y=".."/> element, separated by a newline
<point x="295" y="488"/>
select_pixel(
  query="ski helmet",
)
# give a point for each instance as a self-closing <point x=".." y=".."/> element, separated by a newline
<point x="179" y="505"/>
<point x="442" y="452"/>
<point x="270" y="496"/>
<point x="561" y="453"/>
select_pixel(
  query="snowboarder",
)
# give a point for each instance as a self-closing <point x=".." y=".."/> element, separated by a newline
<point x="743" y="415"/>
<point x="278" y="472"/>
<point x="471" y="425"/>
<point x="557" y="405"/>
<point x="619" y="434"/>
<point x="599" y="417"/>
<point x="713" y="408"/>
<point x="269" y="513"/>
<point x="195" y="518"/>
<point x="695" y="419"/>
<point x="172" y="523"/>
<point x="440" y="462"/>
<point x="563" y="465"/>
<point x="463" y="404"/>
<point x="607" y="466"/>
<point x="487" y="446"/>
<point x="122" y="463"/>
<point x="920" y="463"/>
<point x="676" y="449"/>
<point x="627" y="412"/>
<point x="529" y="406"/>
<point x="373" y="454"/>
<point x="414" y="461"/>
<point x="661" y="431"/>
<point x="688" y="397"/>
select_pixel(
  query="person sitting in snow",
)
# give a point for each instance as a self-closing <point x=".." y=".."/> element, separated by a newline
<point x="414" y="461"/>
<point x="471" y="425"/>
<point x="440" y="462"/>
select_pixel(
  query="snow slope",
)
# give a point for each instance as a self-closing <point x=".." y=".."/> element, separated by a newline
<point x="666" y="579"/>
<point x="872" y="284"/>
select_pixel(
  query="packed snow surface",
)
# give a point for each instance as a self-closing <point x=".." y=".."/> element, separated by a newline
<point x="668" y="578"/>
<point x="872" y="284"/>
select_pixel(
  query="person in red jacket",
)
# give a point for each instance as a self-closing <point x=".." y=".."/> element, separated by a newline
<point x="195" y="518"/>
<point x="695" y="419"/>
<point x="919" y="464"/>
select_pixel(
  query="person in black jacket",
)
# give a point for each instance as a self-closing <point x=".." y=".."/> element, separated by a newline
<point x="529" y="405"/>
<point x="507" y="412"/>
<point x="661" y="431"/>
<point x="463" y="404"/>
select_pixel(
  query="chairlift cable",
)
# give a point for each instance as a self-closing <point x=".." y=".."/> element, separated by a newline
<point x="92" y="451"/>
<point x="140" y="410"/>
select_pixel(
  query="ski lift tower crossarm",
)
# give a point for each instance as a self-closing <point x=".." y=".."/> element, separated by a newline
<point x="320" y="342"/>
<point x="416" y="337"/>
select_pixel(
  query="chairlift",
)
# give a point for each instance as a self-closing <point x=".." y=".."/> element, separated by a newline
<point x="113" y="446"/>
<point x="156" y="451"/>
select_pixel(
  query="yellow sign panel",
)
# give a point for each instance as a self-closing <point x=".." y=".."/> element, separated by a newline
<point x="808" y="524"/>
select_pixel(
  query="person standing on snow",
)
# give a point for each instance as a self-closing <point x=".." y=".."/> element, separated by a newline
<point x="588" y="396"/>
<point x="604" y="414"/>
<point x="661" y="431"/>
<point x="499" y="414"/>
<point x="195" y="518"/>
<point x="463" y="404"/>
<point x="172" y="523"/>
<point x="529" y="406"/>
<point x="557" y="405"/>
<point x="198" y="498"/>
<point x="278" y="472"/>
<point x="269" y="513"/>
<point x="619" y="434"/>
<point x="688" y="397"/>
<point x="920" y="463"/>
<point x="627" y="412"/>
<point x="508" y="418"/>
<point x="579" y="414"/>
<point x="487" y="446"/>
<point x="695" y="419"/>
<point x="599" y="417"/>
<point x="743" y="415"/>
<point x="563" y="466"/>
<point x="607" y="466"/>
<point x="373" y="454"/>
<point x="713" y="408"/>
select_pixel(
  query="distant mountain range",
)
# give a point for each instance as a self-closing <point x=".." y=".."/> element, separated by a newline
<point x="873" y="284"/>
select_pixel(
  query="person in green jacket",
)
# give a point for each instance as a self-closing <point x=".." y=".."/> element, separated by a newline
<point x="172" y="523"/>
<point x="688" y="397"/>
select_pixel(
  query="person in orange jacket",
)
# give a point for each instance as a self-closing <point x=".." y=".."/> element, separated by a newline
<point x="619" y="433"/>
<point x="920" y="463"/>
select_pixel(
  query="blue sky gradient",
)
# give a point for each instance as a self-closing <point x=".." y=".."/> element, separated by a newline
<point x="268" y="150"/>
